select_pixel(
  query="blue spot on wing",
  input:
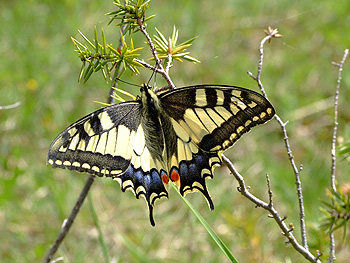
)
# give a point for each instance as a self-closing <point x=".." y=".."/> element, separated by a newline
<point x="193" y="174"/>
<point x="146" y="184"/>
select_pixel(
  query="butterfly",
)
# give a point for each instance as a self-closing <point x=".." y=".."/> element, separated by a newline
<point x="175" y="135"/>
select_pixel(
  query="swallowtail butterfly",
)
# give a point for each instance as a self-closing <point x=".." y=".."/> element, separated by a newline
<point x="176" y="135"/>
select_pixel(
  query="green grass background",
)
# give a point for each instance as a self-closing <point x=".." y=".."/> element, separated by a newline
<point x="39" y="68"/>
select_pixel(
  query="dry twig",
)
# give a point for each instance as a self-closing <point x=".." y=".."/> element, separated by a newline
<point x="334" y="139"/>
<point x="7" y="107"/>
<point x="273" y="33"/>
<point x="273" y="213"/>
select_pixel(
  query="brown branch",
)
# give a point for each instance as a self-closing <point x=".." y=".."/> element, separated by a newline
<point x="70" y="220"/>
<point x="154" y="53"/>
<point x="272" y="33"/>
<point x="287" y="231"/>
<point x="335" y="129"/>
<point x="334" y="140"/>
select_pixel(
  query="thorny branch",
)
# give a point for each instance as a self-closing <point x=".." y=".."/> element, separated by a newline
<point x="335" y="129"/>
<point x="271" y="33"/>
<point x="287" y="231"/>
<point x="334" y="139"/>
<point x="154" y="53"/>
<point x="70" y="220"/>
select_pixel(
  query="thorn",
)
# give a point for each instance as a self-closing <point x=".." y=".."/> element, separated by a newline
<point x="291" y="228"/>
<point x="285" y="124"/>
<point x="272" y="32"/>
<point x="300" y="168"/>
<point x="319" y="254"/>
<point x="287" y="242"/>
<point x="251" y="75"/>
<point x="270" y="216"/>
<point x="336" y="64"/>
<point x="284" y="218"/>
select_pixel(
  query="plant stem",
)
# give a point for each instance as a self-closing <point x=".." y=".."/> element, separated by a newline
<point x="272" y="34"/>
<point x="70" y="220"/>
<point x="154" y="53"/>
<point x="334" y="140"/>
<point x="287" y="232"/>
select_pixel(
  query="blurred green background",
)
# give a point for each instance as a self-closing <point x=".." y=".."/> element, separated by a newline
<point x="39" y="69"/>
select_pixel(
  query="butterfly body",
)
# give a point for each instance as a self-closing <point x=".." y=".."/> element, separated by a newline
<point x="177" y="135"/>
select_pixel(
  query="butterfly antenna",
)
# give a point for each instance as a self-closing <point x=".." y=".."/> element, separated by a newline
<point x="119" y="98"/>
<point x="129" y="83"/>
<point x="154" y="73"/>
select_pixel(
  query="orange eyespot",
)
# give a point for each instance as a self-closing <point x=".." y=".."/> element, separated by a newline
<point x="165" y="178"/>
<point x="175" y="175"/>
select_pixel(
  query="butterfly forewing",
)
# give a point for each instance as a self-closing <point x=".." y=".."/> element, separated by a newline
<point x="215" y="117"/>
<point x="100" y="143"/>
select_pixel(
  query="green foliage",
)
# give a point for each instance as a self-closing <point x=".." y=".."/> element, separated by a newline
<point x="103" y="57"/>
<point x="131" y="14"/>
<point x="207" y="227"/>
<point x="166" y="48"/>
<point x="337" y="212"/>
<point x="344" y="150"/>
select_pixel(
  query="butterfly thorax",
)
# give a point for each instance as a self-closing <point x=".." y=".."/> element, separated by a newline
<point x="150" y="112"/>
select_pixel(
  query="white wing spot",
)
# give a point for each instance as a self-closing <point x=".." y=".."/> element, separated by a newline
<point x="95" y="168"/>
<point x="236" y="93"/>
<point x="123" y="138"/>
<point x="201" y="98"/>
<point x="76" y="164"/>
<point x="88" y="129"/>
<point x="240" y="129"/>
<point x="86" y="166"/>
<point x="105" y="121"/>
<point x="252" y="104"/>
<point x="220" y="97"/>
<point x="72" y="131"/>
<point x="67" y="163"/>
<point x="92" y="143"/>
<point x="111" y="143"/>
<point x="81" y="145"/>
<point x="139" y="144"/>
<point x="74" y="142"/>
<point x="101" y="146"/>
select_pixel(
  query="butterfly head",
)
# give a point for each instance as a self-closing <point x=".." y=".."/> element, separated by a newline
<point x="148" y="97"/>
